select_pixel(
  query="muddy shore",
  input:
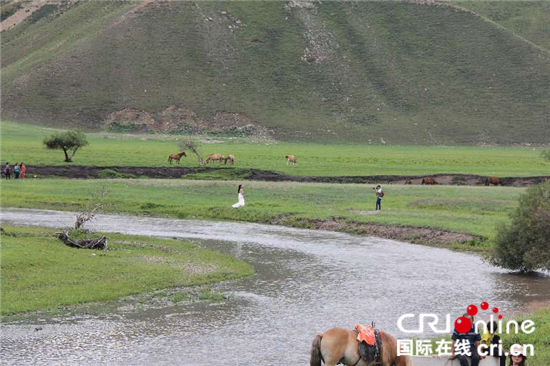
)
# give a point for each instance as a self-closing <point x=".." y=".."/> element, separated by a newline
<point x="92" y="172"/>
<point x="404" y="233"/>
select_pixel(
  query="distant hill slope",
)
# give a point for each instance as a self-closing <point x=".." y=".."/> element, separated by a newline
<point x="528" y="19"/>
<point x="400" y="73"/>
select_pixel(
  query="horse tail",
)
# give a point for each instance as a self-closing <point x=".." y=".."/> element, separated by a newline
<point x="316" y="357"/>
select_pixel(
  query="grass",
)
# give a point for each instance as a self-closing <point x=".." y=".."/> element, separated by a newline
<point x="41" y="273"/>
<point x="540" y="338"/>
<point x="20" y="142"/>
<point x="365" y="72"/>
<point x="528" y="19"/>
<point x="475" y="210"/>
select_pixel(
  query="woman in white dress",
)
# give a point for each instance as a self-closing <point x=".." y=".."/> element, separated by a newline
<point x="241" y="197"/>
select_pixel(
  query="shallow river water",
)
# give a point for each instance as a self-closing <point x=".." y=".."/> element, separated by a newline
<point x="305" y="282"/>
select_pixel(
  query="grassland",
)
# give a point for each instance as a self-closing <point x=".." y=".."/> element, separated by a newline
<point x="475" y="210"/>
<point x="41" y="273"/>
<point x="398" y="72"/>
<point x="21" y="142"/>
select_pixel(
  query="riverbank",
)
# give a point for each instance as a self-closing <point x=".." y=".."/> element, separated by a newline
<point x="231" y="173"/>
<point x="41" y="273"/>
<point x="460" y="217"/>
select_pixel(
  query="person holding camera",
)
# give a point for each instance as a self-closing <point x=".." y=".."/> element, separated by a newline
<point x="379" y="195"/>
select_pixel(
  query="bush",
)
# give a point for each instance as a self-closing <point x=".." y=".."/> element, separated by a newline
<point x="110" y="173"/>
<point x="524" y="245"/>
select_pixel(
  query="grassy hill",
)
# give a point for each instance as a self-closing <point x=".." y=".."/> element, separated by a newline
<point x="372" y="72"/>
<point x="528" y="19"/>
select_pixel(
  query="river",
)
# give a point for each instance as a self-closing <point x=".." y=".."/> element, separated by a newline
<point x="305" y="282"/>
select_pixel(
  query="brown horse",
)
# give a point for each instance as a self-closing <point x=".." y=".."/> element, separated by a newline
<point x="231" y="158"/>
<point x="494" y="181"/>
<point x="429" y="181"/>
<point x="215" y="157"/>
<point x="291" y="159"/>
<point x="339" y="345"/>
<point x="176" y="157"/>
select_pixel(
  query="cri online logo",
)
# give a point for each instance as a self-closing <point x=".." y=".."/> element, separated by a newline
<point x="463" y="324"/>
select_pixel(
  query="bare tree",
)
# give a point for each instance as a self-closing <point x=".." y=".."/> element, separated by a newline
<point x="191" y="145"/>
<point x="95" y="204"/>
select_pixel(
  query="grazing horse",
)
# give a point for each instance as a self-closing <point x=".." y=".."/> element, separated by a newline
<point x="340" y="345"/>
<point x="429" y="181"/>
<point x="231" y="158"/>
<point x="291" y="159"/>
<point x="215" y="157"/>
<point x="494" y="181"/>
<point x="176" y="157"/>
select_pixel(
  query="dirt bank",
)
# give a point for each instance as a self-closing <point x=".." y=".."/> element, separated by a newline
<point x="83" y="171"/>
<point x="410" y="234"/>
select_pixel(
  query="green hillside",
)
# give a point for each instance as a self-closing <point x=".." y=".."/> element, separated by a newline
<point x="528" y="19"/>
<point x="377" y="72"/>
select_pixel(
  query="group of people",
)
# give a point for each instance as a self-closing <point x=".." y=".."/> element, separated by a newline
<point x="19" y="170"/>
<point x="490" y="337"/>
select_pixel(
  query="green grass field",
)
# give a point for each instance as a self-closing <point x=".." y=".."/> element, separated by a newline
<point x="475" y="210"/>
<point x="21" y="142"/>
<point x="41" y="273"/>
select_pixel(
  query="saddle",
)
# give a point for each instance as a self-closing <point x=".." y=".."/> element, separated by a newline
<point x="370" y="343"/>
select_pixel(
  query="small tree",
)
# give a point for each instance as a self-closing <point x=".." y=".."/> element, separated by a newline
<point x="192" y="145"/>
<point x="524" y="245"/>
<point x="69" y="142"/>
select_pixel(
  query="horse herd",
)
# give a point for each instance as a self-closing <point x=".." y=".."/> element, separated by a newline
<point x="290" y="159"/>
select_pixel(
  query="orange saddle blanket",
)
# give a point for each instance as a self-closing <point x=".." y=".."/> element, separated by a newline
<point x="365" y="334"/>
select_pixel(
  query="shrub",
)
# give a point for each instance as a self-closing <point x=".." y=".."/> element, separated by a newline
<point x="524" y="245"/>
<point x="110" y="173"/>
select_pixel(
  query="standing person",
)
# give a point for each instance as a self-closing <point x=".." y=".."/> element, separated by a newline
<point x="379" y="195"/>
<point x="16" y="170"/>
<point x="23" y="170"/>
<point x="241" y="197"/>
<point x="7" y="171"/>
<point x="472" y="339"/>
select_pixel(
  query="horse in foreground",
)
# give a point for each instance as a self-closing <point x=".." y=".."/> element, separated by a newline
<point x="176" y="157"/>
<point x="340" y="345"/>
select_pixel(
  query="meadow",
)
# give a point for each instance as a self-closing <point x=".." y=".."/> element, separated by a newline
<point x="21" y="142"/>
<point x="475" y="210"/>
<point x="41" y="273"/>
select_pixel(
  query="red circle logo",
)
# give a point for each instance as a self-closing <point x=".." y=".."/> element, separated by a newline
<point x="472" y="310"/>
<point x="463" y="325"/>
